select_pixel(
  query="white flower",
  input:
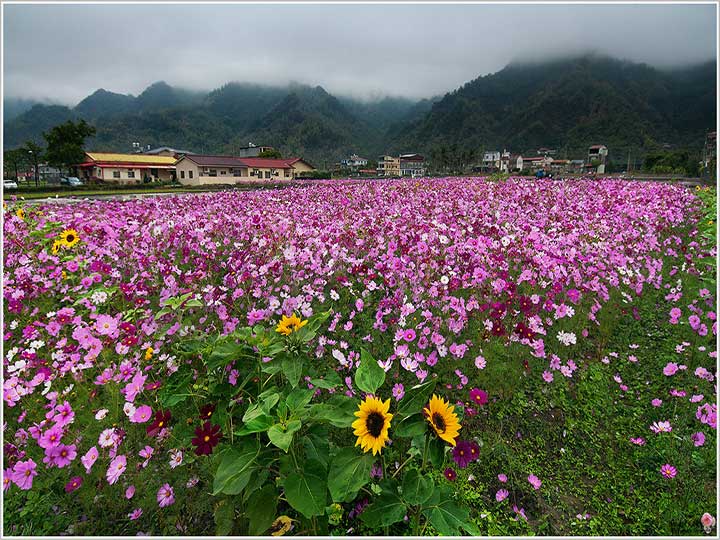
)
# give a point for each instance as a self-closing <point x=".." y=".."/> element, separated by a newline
<point x="129" y="409"/>
<point x="101" y="414"/>
<point x="334" y="295"/>
<point x="176" y="458"/>
<point x="99" y="297"/>
<point x="340" y="357"/>
<point x="107" y="438"/>
<point x="444" y="280"/>
<point x="13" y="325"/>
<point x="567" y="338"/>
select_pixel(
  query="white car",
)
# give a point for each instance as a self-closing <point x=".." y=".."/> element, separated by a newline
<point x="10" y="184"/>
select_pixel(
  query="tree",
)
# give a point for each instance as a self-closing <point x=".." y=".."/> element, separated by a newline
<point x="14" y="159"/>
<point x="272" y="153"/>
<point x="65" y="143"/>
<point x="34" y="155"/>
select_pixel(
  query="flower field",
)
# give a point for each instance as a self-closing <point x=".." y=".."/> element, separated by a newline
<point x="421" y="357"/>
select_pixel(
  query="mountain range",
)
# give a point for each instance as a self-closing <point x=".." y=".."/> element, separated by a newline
<point x="565" y="104"/>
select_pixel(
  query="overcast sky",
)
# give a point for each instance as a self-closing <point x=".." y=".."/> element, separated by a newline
<point x="65" y="52"/>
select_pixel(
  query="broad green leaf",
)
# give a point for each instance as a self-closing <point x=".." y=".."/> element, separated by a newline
<point x="349" y="471"/>
<point x="281" y="436"/>
<point x="224" y="517"/>
<point x="448" y="518"/>
<point x="416" y="488"/>
<point x="224" y="353"/>
<point x="292" y="368"/>
<point x="436" y="451"/>
<point x="257" y="425"/>
<point x="369" y="376"/>
<point x="261" y="508"/>
<point x="338" y="411"/>
<point x="235" y="468"/>
<point x="306" y="489"/>
<point x="416" y="398"/>
<point x="412" y="426"/>
<point x="387" y="509"/>
<point x="331" y="380"/>
<point x="298" y="398"/>
<point x="317" y="445"/>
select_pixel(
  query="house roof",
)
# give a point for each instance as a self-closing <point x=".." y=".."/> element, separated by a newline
<point x="165" y="149"/>
<point x="214" y="161"/>
<point x="103" y="157"/>
<point x="597" y="146"/>
<point x="269" y="162"/>
<point x="232" y="161"/>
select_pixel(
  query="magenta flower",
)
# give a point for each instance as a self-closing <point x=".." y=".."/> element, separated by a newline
<point x="698" y="438"/>
<point x="105" y="325"/>
<point x="535" y="482"/>
<point x="502" y="478"/>
<point x="89" y="459"/>
<point x="59" y="456"/>
<point x="668" y="471"/>
<point x="74" y="483"/>
<point x="398" y="391"/>
<point x="661" y="427"/>
<point x="51" y="437"/>
<point x="501" y="495"/>
<point x="129" y="492"/>
<point x="637" y="440"/>
<point x="656" y="402"/>
<point x="450" y="474"/>
<point x="670" y="369"/>
<point x="409" y="335"/>
<point x="23" y="474"/>
<point x="478" y="396"/>
<point x="165" y="496"/>
<point x="135" y="514"/>
<point x="116" y="468"/>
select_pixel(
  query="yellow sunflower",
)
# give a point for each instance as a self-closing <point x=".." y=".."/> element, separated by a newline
<point x="291" y="324"/>
<point x="442" y="418"/>
<point x="55" y="247"/>
<point x="20" y="213"/>
<point x="69" y="237"/>
<point x="280" y="526"/>
<point x="372" y="424"/>
<point x="148" y="353"/>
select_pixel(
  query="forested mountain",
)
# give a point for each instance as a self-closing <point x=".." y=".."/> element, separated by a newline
<point x="567" y="104"/>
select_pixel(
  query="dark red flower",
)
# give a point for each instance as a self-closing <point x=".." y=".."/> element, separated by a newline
<point x="153" y="385"/>
<point x="480" y="397"/>
<point x="450" y="474"/>
<point x="162" y="419"/>
<point x="207" y="437"/>
<point x="207" y="411"/>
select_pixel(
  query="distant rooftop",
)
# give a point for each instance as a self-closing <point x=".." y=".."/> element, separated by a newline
<point x="166" y="149"/>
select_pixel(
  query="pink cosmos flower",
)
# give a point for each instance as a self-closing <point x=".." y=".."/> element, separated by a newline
<point x="637" y="440"/>
<point x="478" y="396"/>
<point x="398" y="391"/>
<point x="708" y="522"/>
<point x="670" y="369"/>
<point x="501" y="495"/>
<point x="23" y="474"/>
<point x="547" y="376"/>
<point x="656" y="402"/>
<point x="129" y="492"/>
<point x="502" y="478"/>
<point x="105" y="325"/>
<point x="116" y="468"/>
<point x="146" y="453"/>
<point x="60" y="456"/>
<point x="698" y="438"/>
<point x="142" y="414"/>
<point x="107" y="438"/>
<point x="88" y="460"/>
<point x="51" y="437"/>
<point x="135" y="514"/>
<point x="661" y="427"/>
<point x="409" y="335"/>
<point x="64" y="414"/>
<point x="165" y="496"/>
<point x="535" y="482"/>
<point x="668" y="471"/>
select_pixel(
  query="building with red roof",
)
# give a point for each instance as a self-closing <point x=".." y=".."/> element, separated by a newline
<point x="198" y="169"/>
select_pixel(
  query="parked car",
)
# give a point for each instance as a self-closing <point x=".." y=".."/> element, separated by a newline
<point x="72" y="181"/>
<point x="10" y="184"/>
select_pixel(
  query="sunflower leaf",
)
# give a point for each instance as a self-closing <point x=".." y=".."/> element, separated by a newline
<point x="306" y="489"/>
<point x="349" y="471"/>
<point x="369" y="376"/>
<point x="387" y="509"/>
<point x="416" y="398"/>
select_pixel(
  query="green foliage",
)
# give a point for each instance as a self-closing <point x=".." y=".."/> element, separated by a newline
<point x="65" y="143"/>
<point x="273" y="153"/>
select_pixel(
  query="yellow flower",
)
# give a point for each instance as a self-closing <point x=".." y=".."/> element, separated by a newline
<point x="64" y="274"/>
<point x="20" y="213"/>
<point x="291" y="324"/>
<point x="372" y="424"/>
<point x="148" y="353"/>
<point x="443" y="420"/>
<point x="55" y="247"/>
<point x="69" y="237"/>
<point x="280" y="526"/>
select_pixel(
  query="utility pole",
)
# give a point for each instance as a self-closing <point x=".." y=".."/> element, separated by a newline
<point x="628" y="165"/>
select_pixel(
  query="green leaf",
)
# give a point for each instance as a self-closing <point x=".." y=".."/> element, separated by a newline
<point x="281" y="436"/>
<point x="292" y="368"/>
<point x="317" y="445"/>
<point x="416" y="398"/>
<point x="306" y="489"/>
<point x="338" y="411"/>
<point x="436" y="452"/>
<point x="387" y="509"/>
<point x="331" y="380"/>
<point x="412" y="426"/>
<point x="257" y="425"/>
<point x="349" y="471"/>
<point x="416" y="488"/>
<point x="448" y="518"/>
<point x="235" y="468"/>
<point x="260" y="509"/>
<point x="224" y="517"/>
<point x="369" y="376"/>
<point x="298" y="398"/>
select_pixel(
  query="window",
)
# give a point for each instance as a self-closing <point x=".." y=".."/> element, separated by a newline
<point x="131" y="173"/>
<point x="182" y="174"/>
<point x="222" y="173"/>
<point x="237" y="172"/>
<point x="287" y="173"/>
<point x="213" y="172"/>
<point x="267" y="174"/>
<point x="190" y="174"/>
<point x="116" y="174"/>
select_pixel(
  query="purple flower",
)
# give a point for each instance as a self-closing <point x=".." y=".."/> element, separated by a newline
<point x="450" y="474"/>
<point x="23" y="474"/>
<point x="502" y="478"/>
<point x="74" y="483"/>
<point x="668" y="471"/>
<point x="165" y="495"/>
<point x="463" y="454"/>
<point x="116" y="468"/>
<point x="501" y="495"/>
<point x="409" y="335"/>
<point x="478" y="396"/>
<point x="698" y="438"/>
<point x="398" y="391"/>
<point x="534" y="481"/>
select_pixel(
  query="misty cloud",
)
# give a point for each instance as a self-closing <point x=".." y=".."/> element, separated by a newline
<point x="65" y="52"/>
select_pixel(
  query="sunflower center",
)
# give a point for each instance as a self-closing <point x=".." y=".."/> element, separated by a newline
<point x="69" y="238"/>
<point x="375" y="423"/>
<point x="439" y="422"/>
